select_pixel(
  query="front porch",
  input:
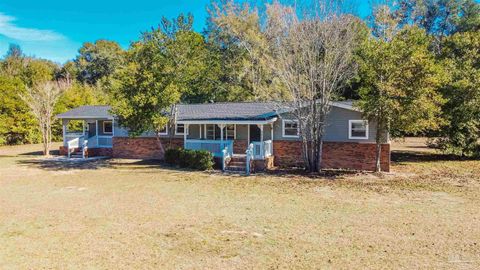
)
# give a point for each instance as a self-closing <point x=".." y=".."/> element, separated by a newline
<point x="235" y="143"/>
<point x="93" y="139"/>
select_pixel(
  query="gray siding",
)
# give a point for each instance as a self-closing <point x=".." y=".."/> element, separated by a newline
<point x="337" y="128"/>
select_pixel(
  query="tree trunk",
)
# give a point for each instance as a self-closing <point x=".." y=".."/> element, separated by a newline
<point x="378" y="156"/>
<point x="378" y="167"/>
<point x="160" y="144"/>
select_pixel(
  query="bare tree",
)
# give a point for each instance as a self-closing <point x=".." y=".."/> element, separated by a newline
<point x="310" y="51"/>
<point x="42" y="98"/>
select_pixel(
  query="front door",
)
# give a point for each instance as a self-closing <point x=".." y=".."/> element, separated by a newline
<point x="92" y="130"/>
<point x="254" y="133"/>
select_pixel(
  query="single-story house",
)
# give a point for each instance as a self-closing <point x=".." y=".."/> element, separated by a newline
<point x="273" y="135"/>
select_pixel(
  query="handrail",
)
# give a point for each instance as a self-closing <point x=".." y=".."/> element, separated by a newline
<point x="84" y="148"/>
<point x="250" y="157"/>
<point x="76" y="141"/>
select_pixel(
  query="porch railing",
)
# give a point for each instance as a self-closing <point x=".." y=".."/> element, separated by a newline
<point x="262" y="150"/>
<point x="212" y="146"/>
<point x="75" y="140"/>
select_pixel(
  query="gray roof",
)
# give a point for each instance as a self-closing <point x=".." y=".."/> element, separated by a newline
<point x="207" y="111"/>
<point x="85" y="112"/>
<point x="227" y="111"/>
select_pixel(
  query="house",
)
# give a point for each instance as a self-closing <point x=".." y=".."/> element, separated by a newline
<point x="272" y="135"/>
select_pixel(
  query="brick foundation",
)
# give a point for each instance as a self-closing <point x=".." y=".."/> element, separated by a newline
<point x="91" y="152"/>
<point x="142" y="148"/>
<point x="336" y="155"/>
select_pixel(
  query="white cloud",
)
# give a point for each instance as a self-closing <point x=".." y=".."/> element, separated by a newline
<point x="9" y="29"/>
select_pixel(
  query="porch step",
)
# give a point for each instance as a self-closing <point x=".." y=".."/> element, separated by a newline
<point x="235" y="168"/>
<point x="238" y="163"/>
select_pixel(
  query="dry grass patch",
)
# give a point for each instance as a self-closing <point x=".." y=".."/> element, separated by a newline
<point x="134" y="214"/>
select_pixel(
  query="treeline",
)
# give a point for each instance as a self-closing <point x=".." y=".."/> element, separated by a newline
<point x="413" y="65"/>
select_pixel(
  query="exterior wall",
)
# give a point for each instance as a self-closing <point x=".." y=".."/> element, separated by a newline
<point x="337" y="128"/>
<point x="141" y="147"/>
<point x="336" y="155"/>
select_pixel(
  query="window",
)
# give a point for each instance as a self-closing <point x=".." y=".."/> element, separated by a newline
<point x="179" y="129"/>
<point x="290" y="128"/>
<point x="210" y="132"/>
<point x="230" y="132"/>
<point x="107" y="127"/>
<point x="358" y="129"/>
<point x="164" y="131"/>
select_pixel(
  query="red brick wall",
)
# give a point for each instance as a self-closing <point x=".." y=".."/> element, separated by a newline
<point x="336" y="155"/>
<point x="141" y="148"/>
<point x="240" y="146"/>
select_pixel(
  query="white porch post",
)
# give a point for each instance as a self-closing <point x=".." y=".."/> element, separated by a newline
<point x="221" y="131"/>
<point x="261" y="132"/>
<point x="64" y="129"/>
<point x="185" y="131"/>
<point x="271" y="137"/>
<point x="248" y="134"/>
<point x="83" y="127"/>
<point x="205" y="131"/>
<point x="96" y="131"/>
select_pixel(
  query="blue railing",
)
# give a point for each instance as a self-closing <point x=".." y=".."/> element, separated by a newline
<point x="213" y="146"/>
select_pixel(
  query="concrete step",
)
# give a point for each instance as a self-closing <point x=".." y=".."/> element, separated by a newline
<point x="239" y="159"/>
<point x="237" y="163"/>
<point x="76" y="156"/>
<point x="235" y="168"/>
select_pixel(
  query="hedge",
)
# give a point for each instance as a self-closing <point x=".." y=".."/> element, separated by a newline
<point x="194" y="159"/>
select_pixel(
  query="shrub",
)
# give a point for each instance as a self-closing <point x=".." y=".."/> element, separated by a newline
<point x="172" y="156"/>
<point x="193" y="159"/>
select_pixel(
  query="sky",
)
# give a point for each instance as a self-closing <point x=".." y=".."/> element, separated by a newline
<point x="56" y="29"/>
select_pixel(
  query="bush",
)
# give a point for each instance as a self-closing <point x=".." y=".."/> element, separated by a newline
<point x="193" y="159"/>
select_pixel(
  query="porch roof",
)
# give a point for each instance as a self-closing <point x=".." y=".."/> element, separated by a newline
<point x="235" y="111"/>
<point x="88" y="112"/>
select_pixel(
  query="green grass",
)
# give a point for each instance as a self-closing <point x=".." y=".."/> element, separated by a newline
<point x="139" y="215"/>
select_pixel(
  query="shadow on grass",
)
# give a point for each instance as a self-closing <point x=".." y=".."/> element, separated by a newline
<point x="418" y="157"/>
<point x="57" y="164"/>
<point x="324" y="174"/>
<point x="40" y="153"/>
<point x="62" y="164"/>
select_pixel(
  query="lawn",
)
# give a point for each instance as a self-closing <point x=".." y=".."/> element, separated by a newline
<point x="137" y="215"/>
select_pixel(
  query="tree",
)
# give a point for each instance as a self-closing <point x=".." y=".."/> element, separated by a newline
<point x="98" y="60"/>
<point x="461" y="133"/>
<point x="399" y="79"/>
<point x="42" y="98"/>
<point x="240" y="30"/>
<point x="16" y="122"/>
<point x="440" y="18"/>
<point x="309" y="55"/>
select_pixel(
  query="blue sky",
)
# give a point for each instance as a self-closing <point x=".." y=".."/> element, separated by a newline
<point x="56" y="29"/>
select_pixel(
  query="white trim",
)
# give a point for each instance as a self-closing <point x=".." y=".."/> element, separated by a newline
<point x="184" y="128"/>
<point x="283" y="128"/>
<point x="239" y="122"/>
<point x="350" y="137"/>
<point x="103" y="127"/>
<point x="234" y="131"/>
<point x="166" y="131"/>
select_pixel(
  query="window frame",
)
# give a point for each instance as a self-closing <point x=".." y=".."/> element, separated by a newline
<point x="234" y="132"/>
<point x="176" y="129"/>
<point x="350" y="130"/>
<point x="103" y="126"/>
<point x="284" y="121"/>
<point x="166" y="130"/>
